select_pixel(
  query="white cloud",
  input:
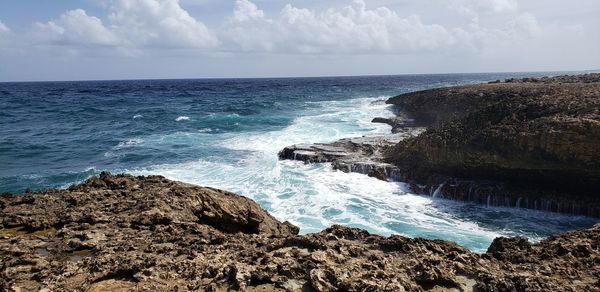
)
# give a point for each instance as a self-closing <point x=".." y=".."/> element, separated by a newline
<point x="3" y="28"/>
<point x="160" y="23"/>
<point x="5" y="35"/>
<point x="526" y="23"/>
<point x="132" y="24"/>
<point x="350" y="29"/>
<point x="473" y="10"/>
<point x="246" y="10"/>
<point x="523" y="41"/>
<point x="498" y="6"/>
<point x="75" y="27"/>
<point x="487" y="29"/>
<point x="248" y="30"/>
<point x="485" y="6"/>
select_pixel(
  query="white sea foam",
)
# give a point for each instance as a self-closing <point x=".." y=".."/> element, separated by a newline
<point x="83" y="176"/>
<point x="329" y="121"/>
<point x="117" y="150"/>
<point x="182" y="118"/>
<point x="314" y="196"/>
<point x="90" y="168"/>
<point x="129" y="143"/>
<point x="138" y="117"/>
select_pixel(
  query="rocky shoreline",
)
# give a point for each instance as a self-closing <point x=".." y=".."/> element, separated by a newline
<point x="526" y="143"/>
<point x="122" y="233"/>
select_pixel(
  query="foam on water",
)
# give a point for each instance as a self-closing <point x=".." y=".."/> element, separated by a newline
<point x="226" y="134"/>
<point x="324" y="122"/>
<point x="129" y="143"/>
<point x="314" y="196"/>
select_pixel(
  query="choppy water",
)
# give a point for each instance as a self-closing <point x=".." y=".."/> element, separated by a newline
<point x="226" y="133"/>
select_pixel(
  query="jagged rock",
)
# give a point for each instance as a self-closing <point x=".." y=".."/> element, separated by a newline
<point x="358" y="154"/>
<point x="122" y="233"/>
<point x="399" y="123"/>
<point x="535" y="138"/>
<point x="522" y="143"/>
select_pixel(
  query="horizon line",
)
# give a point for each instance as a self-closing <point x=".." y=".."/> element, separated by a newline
<point x="302" y="77"/>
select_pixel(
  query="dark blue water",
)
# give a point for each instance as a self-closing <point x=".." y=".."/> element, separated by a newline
<point x="226" y="133"/>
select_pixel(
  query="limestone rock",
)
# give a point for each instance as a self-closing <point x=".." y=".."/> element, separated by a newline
<point x="534" y="137"/>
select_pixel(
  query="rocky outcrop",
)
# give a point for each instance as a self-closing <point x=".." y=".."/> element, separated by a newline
<point x="122" y="233"/>
<point x="360" y="154"/>
<point x="401" y="123"/>
<point x="525" y="143"/>
<point x="533" y="139"/>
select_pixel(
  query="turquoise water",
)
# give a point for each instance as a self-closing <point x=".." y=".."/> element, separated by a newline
<point x="226" y="133"/>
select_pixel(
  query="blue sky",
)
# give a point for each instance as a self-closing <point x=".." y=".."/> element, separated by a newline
<point x="130" y="39"/>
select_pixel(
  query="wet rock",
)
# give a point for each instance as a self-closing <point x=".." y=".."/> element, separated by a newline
<point x="461" y="157"/>
<point x="359" y="154"/>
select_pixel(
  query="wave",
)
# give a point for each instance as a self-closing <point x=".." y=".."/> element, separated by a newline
<point x="326" y="122"/>
<point x="231" y="142"/>
<point x="61" y="180"/>
<point x="129" y="143"/>
<point x="314" y="196"/>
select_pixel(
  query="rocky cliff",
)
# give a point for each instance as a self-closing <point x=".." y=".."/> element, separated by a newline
<point x="123" y="233"/>
<point x="527" y="143"/>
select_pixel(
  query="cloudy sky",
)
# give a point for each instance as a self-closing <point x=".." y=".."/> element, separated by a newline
<point x="130" y="39"/>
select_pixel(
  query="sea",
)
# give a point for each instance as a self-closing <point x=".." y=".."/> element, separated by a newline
<point x="226" y="133"/>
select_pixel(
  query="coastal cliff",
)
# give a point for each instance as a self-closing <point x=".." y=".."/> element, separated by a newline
<point x="525" y="143"/>
<point x="121" y="233"/>
<point x="534" y="139"/>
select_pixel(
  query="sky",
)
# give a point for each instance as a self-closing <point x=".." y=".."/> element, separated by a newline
<point x="141" y="39"/>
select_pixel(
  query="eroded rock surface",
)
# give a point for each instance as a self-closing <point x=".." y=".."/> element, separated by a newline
<point x="123" y="233"/>
<point x="400" y="123"/>
<point x="525" y="143"/>
<point x="359" y="154"/>
<point x="534" y="141"/>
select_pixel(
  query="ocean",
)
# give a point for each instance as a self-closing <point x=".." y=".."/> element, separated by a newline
<point x="226" y="133"/>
